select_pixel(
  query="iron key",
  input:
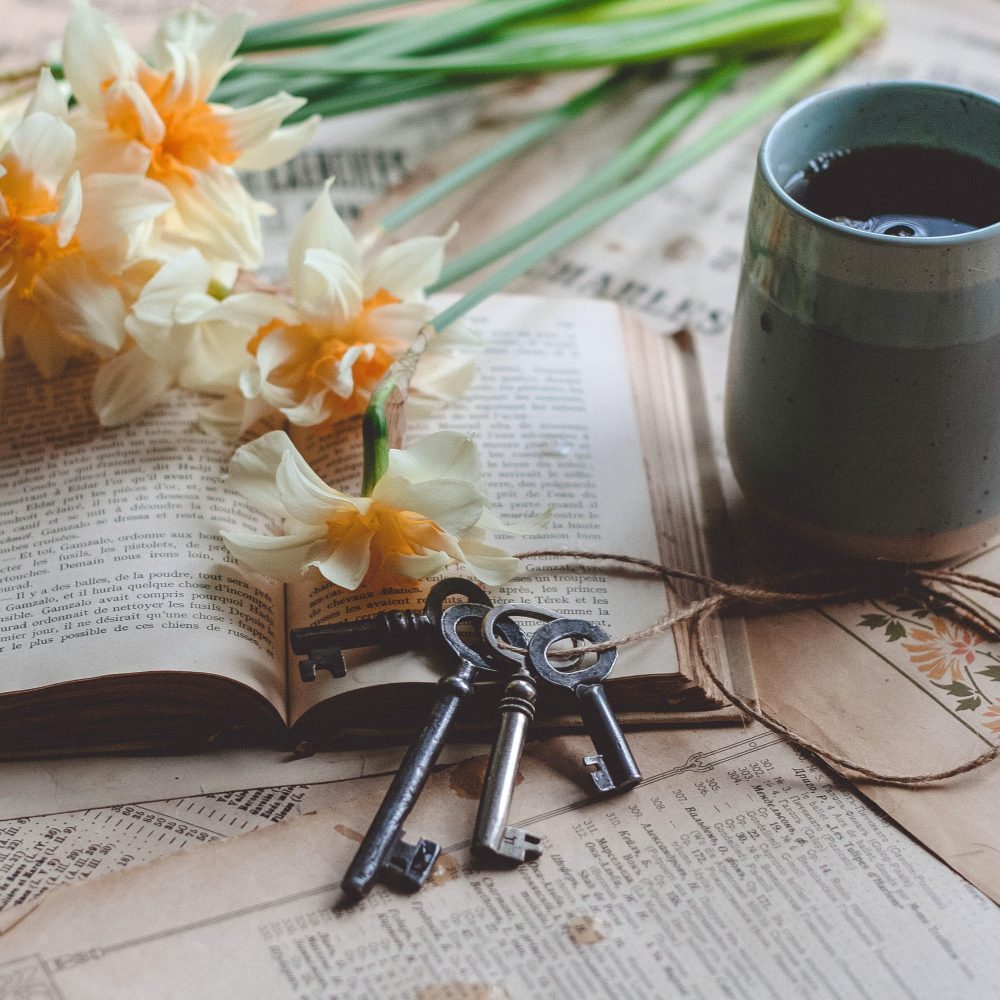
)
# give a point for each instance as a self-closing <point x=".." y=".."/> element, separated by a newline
<point x="323" y="645"/>
<point x="615" y="769"/>
<point x="383" y="850"/>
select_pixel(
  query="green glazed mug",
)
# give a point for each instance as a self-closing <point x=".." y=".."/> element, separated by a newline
<point x="863" y="388"/>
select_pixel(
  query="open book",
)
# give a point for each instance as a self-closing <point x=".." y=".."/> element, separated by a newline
<point x="126" y="623"/>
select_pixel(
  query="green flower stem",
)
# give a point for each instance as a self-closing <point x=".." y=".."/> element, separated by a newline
<point x="679" y="112"/>
<point x="277" y="34"/>
<point x="607" y="11"/>
<point x="379" y="93"/>
<point x="300" y="40"/>
<point x="375" y="438"/>
<point x="394" y="38"/>
<point x="805" y="71"/>
<point x="750" y="25"/>
<point x="514" y="142"/>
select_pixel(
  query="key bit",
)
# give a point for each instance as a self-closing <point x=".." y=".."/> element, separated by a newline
<point x="518" y="845"/>
<point x="410" y="865"/>
<point x="323" y="645"/>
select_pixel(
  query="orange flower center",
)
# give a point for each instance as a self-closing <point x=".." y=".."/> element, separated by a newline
<point x="394" y="532"/>
<point x="315" y="367"/>
<point x="28" y="243"/>
<point x="194" y="136"/>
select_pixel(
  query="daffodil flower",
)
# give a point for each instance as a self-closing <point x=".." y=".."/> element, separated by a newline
<point x="428" y="510"/>
<point x="154" y="118"/>
<point x="65" y="243"/>
<point x="349" y="321"/>
<point x="181" y="335"/>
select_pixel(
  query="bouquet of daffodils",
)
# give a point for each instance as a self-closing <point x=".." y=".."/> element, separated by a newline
<point x="127" y="237"/>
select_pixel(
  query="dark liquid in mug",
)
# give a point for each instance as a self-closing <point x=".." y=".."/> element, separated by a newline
<point x="901" y="190"/>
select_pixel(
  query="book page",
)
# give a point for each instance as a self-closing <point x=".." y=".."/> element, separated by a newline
<point x="109" y="541"/>
<point x="553" y="415"/>
<point x="738" y="869"/>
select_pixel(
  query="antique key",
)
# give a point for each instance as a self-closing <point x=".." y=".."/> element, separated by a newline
<point x="492" y="838"/>
<point x="324" y="645"/>
<point x="383" y="851"/>
<point x="615" y="769"/>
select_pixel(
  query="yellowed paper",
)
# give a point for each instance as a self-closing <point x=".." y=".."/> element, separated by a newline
<point x="737" y="869"/>
<point x="112" y="560"/>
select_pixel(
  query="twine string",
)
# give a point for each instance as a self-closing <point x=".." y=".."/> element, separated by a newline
<point x="789" y="593"/>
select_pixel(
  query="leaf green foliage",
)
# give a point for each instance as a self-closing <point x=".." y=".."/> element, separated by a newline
<point x="895" y="631"/>
<point x="993" y="673"/>
<point x="873" y="621"/>
<point x="969" y="704"/>
<point x="959" y="690"/>
<point x="350" y="66"/>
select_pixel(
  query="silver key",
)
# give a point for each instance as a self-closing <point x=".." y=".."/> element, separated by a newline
<point x="493" y="839"/>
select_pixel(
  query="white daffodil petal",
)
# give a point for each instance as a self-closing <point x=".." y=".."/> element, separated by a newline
<point x="254" y="467"/>
<point x="348" y="562"/>
<point x="444" y="455"/>
<point x="186" y="29"/>
<point x="328" y="286"/>
<point x="279" y="147"/>
<point x="250" y="126"/>
<point x="251" y="309"/>
<point x="305" y="496"/>
<point x="48" y="96"/>
<point x="283" y="557"/>
<point x="81" y="304"/>
<point x="399" y="322"/>
<point x="193" y="308"/>
<point x="48" y="350"/>
<point x="127" y="386"/>
<point x="151" y="126"/>
<point x="216" y="215"/>
<point x="216" y="50"/>
<point x="407" y="268"/>
<point x="312" y="411"/>
<point x="70" y="209"/>
<point x="214" y="356"/>
<point x="280" y="348"/>
<point x="43" y="146"/>
<point x="154" y="309"/>
<point x="440" y="379"/>
<point x="118" y="212"/>
<point x="490" y="564"/>
<point x="94" y="52"/>
<point x="101" y="150"/>
<point x="453" y="505"/>
<point x="320" y="228"/>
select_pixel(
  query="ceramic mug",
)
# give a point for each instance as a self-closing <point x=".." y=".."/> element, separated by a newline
<point x="863" y="388"/>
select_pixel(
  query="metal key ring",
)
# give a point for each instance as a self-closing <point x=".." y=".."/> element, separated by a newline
<point x="453" y="586"/>
<point x="570" y="628"/>
<point x="454" y="615"/>
<point x="497" y="617"/>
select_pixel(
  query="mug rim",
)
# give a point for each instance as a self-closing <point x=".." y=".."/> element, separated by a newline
<point x="764" y="167"/>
